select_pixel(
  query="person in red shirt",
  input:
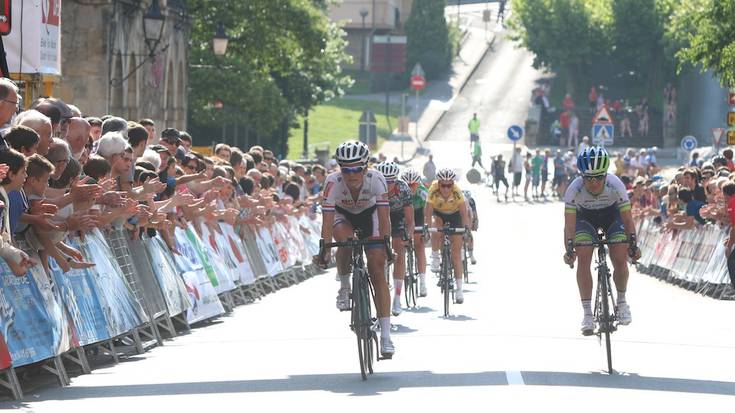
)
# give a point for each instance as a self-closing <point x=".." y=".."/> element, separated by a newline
<point x="568" y="103"/>
<point x="729" y="191"/>
<point x="564" y="122"/>
<point x="592" y="97"/>
<point x="727" y="153"/>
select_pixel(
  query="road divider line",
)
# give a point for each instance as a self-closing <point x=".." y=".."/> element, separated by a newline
<point x="514" y="378"/>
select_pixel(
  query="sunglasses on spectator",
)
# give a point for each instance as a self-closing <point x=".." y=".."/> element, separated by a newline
<point x="594" y="178"/>
<point x="351" y="169"/>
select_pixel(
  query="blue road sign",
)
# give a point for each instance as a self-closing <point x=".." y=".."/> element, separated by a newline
<point x="688" y="143"/>
<point x="515" y="133"/>
<point x="603" y="134"/>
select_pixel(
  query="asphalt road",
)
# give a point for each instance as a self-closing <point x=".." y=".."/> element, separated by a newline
<point x="514" y="344"/>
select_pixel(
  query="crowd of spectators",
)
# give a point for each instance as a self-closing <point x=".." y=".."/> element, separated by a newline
<point x="64" y="173"/>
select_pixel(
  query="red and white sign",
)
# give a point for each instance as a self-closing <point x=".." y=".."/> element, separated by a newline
<point x="717" y="134"/>
<point x="602" y="116"/>
<point x="731" y="98"/>
<point x="418" y="82"/>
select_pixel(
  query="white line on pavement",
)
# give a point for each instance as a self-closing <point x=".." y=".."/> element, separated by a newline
<point x="514" y="378"/>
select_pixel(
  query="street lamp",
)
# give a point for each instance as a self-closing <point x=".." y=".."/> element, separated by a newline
<point x="153" y="21"/>
<point x="363" y="13"/>
<point x="219" y="41"/>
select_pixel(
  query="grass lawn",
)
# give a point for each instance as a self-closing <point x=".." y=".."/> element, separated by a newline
<point x="332" y="123"/>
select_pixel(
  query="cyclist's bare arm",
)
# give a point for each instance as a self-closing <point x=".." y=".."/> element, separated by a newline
<point x="428" y="211"/>
<point x="570" y="225"/>
<point x="464" y="214"/>
<point x="327" y="225"/>
<point x="628" y="223"/>
<point x="384" y="221"/>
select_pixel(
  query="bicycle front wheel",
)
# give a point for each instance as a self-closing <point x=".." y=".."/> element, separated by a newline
<point x="465" y="268"/>
<point x="445" y="281"/>
<point x="361" y="322"/>
<point x="606" y="321"/>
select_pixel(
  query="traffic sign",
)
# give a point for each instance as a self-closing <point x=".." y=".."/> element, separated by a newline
<point x="418" y="70"/>
<point x="731" y="98"/>
<point x="717" y="135"/>
<point x="602" y="116"/>
<point x="688" y="143"/>
<point x="603" y="134"/>
<point x="486" y="15"/>
<point x="731" y="137"/>
<point x="515" y="133"/>
<point x="730" y="118"/>
<point x="418" y="82"/>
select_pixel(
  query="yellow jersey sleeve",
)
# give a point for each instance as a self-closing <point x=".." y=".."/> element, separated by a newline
<point x="443" y="205"/>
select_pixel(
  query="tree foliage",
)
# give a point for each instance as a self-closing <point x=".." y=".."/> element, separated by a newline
<point x="428" y="38"/>
<point x="706" y="35"/>
<point x="283" y="58"/>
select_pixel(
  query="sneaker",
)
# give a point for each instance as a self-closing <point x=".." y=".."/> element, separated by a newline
<point x="343" y="299"/>
<point x="397" y="310"/>
<point x="588" y="325"/>
<point x="386" y="348"/>
<point x="458" y="296"/>
<point x="623" y="311"/>
<point x="422" y="286"/>
<point x="435" y="264"/>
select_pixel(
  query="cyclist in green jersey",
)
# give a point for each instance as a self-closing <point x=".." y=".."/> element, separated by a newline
<point x="419" y="194"/>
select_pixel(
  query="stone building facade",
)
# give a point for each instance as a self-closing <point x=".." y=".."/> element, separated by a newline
<point x="107" y="66"/>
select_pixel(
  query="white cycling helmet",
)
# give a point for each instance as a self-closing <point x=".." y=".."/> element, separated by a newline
<point x="410" y="176"/>
<point x="352" y="152"/>
<point x="388" y="169"/>
<point x="446" y="174"/>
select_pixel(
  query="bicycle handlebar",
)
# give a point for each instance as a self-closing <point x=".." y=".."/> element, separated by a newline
<point x="351" y="243"/>
<point x="447" y="230"/>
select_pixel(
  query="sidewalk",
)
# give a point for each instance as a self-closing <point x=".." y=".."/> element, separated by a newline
<point x="438" y="97"/>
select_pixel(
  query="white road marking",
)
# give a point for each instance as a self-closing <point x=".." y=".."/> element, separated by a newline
<point x="514" y="378"/>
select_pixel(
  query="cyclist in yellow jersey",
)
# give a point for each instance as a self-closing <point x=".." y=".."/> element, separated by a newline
<point x="446" y="205"/>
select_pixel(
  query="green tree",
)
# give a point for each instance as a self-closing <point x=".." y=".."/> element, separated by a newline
<point x="562" y="34"/>
<point x="283" y="58"/>
<point x="428" y="38"/>
<point x="706" y="35"/>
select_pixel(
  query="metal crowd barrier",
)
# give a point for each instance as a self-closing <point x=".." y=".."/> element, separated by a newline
<point x="140" y="292"/>
<point x="694" y="259"/>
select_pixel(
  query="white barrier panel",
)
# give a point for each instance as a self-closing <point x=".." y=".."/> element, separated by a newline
<point x="172" y="285"/>
<point x="238" y="255"/>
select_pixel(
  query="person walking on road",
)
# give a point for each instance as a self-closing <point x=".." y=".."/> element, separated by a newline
<point x="474" y="127"/>
<point x="499" y="176"/>
<point x="536" y="164"/>
<point x="430" y="170"/>
<point x="516" y="168"/>
<point x="477" y="154"/>
<point x="527" y="169"/>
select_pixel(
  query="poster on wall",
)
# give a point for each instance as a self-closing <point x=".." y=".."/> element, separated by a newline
<point x="35" y="37"/>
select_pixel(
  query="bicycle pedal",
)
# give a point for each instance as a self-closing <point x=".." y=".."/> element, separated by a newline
<point x="588" y="333"/>
<point x="386" y="357"/>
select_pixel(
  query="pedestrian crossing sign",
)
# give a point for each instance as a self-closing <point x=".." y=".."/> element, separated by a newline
<point x="602" y="134"/>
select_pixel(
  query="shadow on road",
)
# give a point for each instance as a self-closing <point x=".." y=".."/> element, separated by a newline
<point x="390" y="382"/>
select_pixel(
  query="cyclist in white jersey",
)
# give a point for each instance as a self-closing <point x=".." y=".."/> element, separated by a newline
<point x="356" y="202"/>
<point x="598" y="199"/>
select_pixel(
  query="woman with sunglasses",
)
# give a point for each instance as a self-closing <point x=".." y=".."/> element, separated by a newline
<point x="356" y="202"/>
<point x="598" y="199"/>
<point x="401" y="223"/>
<point x="419" y="194"/>
<point x="446" y="205"/>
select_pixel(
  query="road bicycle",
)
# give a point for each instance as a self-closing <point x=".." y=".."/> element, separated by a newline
<point x="605" y="315"/>
<point x="446" y="271"/>
<point x="361" y="321"/>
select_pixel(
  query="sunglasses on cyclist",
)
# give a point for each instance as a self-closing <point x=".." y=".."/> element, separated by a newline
<point x="594" y="178"/>
<point x="446" y="185"/>
<point x="351" y="169"/>
<point x="390" y="181"/>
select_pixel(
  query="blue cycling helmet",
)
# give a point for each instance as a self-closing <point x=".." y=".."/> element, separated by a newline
<point x="593" y="161"/>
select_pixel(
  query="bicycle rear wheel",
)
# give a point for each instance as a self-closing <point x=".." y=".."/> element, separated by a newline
<point x="361" y="322"/>
<point x="410" y="279"/>
<point x="465" y="268"/>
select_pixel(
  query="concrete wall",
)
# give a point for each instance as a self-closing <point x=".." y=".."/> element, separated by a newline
<point x="103" y="42"/>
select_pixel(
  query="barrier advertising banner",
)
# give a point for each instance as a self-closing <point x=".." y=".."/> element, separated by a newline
<point x="31" y="320"/>
<point x="202" y="294"/>
<point x="268" y="251"/>
<point x="35" y="38"/>
<point x="238" y="255"/>
<point x="164" y="268"/>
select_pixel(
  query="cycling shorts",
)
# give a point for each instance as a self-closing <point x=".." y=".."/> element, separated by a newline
<point x="365" y="224"/>
<point x="418" y="217"/>
<point x="454" y="219"/>
<point x="588" y="221"/>
<point x="397" y="224"/>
